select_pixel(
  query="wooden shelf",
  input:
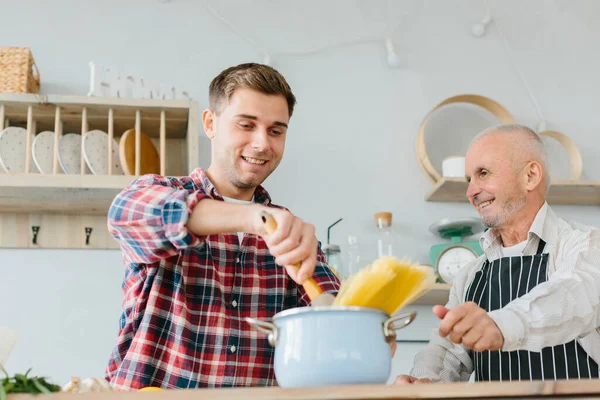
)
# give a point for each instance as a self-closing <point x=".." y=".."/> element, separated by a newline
<point x="55" y="210"/>
<point x="64" y="194"/>
<point x="43" y="107"/>
<point x="176" y="142"/>
<point x="437" y="295"/>
<point x="584" y="193"/>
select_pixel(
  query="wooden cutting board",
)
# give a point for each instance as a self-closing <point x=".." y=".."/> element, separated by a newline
<point x="149" y="159"/>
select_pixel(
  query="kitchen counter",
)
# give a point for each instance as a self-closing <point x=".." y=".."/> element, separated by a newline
<point x="585" y="389"/>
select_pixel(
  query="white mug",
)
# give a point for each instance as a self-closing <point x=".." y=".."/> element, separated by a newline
<point x="453" y="167"/>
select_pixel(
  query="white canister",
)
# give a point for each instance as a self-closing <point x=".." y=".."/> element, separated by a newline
<point x="453" y="167"/>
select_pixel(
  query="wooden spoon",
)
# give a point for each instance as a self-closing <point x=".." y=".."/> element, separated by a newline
<point x="315" y="294"/>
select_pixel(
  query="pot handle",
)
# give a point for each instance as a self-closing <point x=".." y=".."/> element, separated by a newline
<point x="266" y="327"/>
<point x="390" y="331"/>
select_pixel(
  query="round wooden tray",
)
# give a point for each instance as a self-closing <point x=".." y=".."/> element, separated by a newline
<point x="571" y="148"/>
<point x="484" y="102"/>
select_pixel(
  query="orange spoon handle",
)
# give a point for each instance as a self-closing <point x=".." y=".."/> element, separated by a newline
<point x="310" y="286"/>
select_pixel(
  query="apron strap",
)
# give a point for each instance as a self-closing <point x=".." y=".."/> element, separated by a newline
<point x="541" y="246"/>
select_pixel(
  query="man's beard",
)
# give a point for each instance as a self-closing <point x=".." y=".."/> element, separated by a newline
<point x="509" y="208"/>
<point x="234" y="175"/>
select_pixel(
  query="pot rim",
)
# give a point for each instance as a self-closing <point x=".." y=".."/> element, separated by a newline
<point x="309" y="309"/>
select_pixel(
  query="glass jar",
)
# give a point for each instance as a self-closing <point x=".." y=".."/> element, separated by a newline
<point x="334" y="259"/>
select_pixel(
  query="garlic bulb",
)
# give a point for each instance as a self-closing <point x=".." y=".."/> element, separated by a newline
<point x="72" y="386"/>
<point x="76" y="385"/>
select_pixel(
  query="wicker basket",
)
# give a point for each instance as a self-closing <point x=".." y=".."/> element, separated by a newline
<point x="18" y="72"/>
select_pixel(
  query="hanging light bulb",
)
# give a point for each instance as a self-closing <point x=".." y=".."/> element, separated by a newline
<point x="392" y="58"/>
<point x="478" y="30"/>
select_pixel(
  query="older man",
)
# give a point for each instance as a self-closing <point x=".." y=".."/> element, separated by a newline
<point x="529" y="307"/>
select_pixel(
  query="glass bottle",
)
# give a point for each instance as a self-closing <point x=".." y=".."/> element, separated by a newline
<point x="334" y="259"/>
<point x="354" y="261"/>
<point x="386" y="238"/>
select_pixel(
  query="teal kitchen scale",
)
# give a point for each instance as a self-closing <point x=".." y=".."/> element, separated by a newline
<point x="448" y="259"/>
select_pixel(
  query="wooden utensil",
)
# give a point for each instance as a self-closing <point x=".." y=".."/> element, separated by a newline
<point x="314" y="292"/>
<point x="149" y="159"/>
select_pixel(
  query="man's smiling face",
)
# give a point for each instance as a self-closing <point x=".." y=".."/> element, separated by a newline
<point x="249" y="137"/>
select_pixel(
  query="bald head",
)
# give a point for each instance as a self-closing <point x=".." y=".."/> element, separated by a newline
<point x="521" y="144"/>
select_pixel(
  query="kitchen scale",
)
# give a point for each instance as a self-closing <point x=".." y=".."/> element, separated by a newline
<point x="448" y="259"/>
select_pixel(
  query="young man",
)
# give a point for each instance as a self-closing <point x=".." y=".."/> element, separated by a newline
<point x="198" y="259"/>
<point x="529" y="308"/>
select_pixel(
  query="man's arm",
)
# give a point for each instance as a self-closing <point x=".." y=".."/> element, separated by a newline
<point x="565" y="307"/>
<point x="148" y="218"/>
<point x="155" y="217"/>
<point x="209" y="217"/>
<point x="442" y="360"/>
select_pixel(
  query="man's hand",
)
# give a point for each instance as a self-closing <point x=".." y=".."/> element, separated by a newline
<point x="470" y="325"/>
<point x="293" y="241"/>
<point x="409" y="380"/>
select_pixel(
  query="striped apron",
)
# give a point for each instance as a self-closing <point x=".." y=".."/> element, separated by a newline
<point x="495" y="285"/>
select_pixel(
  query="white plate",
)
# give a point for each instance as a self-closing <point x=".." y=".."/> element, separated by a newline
<point x="95" y="151"/>
<point x="69" y="154"/>
<point x="43" y="152"/>
<point x="13" y="150"/>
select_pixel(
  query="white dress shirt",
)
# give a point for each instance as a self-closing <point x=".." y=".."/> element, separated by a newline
<point x="564" y="308"/>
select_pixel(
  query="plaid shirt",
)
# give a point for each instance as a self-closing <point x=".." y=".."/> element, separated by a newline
<point x="186" y="297"/>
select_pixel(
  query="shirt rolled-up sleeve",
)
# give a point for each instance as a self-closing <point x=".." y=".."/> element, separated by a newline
<point x="148" y="218"/>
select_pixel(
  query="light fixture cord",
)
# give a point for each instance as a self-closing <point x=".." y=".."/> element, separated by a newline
<point x="511" y="58"/>
<point x="267" y="55"/>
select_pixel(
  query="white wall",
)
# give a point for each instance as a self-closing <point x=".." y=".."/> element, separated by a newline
<point x="66" y="305"/>
<point x="351" y="143"/>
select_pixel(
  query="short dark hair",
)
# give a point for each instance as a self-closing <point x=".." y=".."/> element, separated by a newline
<point x="262" y="78"/>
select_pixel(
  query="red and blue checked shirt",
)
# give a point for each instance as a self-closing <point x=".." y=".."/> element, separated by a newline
<point x="186" y="297"/>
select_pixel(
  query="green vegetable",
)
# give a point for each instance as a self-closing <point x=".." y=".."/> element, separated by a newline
<point x="22" y="383"/>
